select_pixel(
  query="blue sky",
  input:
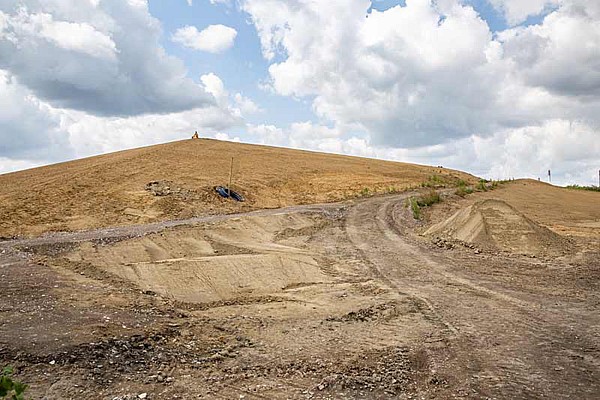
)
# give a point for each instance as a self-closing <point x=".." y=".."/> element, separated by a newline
<point x="498" y="88"/>
<point x="242" y="67"/>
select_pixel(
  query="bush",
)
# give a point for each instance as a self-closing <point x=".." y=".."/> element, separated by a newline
<point x="591" y="188"/>
<point x="415" y="203"/>
<point x="428" y="199"/>
<point x="462" y="191"/>
<point x="416" y="210"/>
<point x="10" y="389"/>
<point x="482" y="185"/>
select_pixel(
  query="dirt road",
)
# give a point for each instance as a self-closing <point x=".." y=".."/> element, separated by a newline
<point x="517" y="344"/>
<point x="336" y="301"/>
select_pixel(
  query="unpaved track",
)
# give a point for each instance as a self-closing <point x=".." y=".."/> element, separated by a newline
<point x="145" y="229"/>
<point x="489" y="339"/>
<point x="521" y="347"/>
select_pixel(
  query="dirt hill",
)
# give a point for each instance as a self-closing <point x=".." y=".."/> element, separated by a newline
<point x="113" y="189"/>
<point x="495" y="224"/>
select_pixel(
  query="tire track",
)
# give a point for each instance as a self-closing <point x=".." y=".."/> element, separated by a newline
<point x="519" y="345"/>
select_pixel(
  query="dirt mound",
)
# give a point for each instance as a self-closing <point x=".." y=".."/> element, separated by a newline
<point x="495" y="225"/>
<point x="177" y="180"/>
<point x="198" y="265"/>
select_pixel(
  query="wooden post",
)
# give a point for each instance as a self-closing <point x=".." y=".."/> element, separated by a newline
<point x="230" y="175"/>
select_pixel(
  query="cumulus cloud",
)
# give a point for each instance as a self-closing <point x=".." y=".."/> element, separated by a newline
<point x="89" y="135"/>
<point x="562" y="55"/>
<point x="430" y="72"/>
<point x="517" y="11"/>
<point x="215" y="86"/>
<point x="28" y="130"/>
<point x="246" y="105"/>
<point x="212" y="39"/>
<point x="237" y="104"/>
<point x="100" y="57"/>
<point x="409" y="75"/>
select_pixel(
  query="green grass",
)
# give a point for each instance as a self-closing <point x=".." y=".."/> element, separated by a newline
<point x="482" y="185"/>
<point x="434" y="181"/>
<point x="590" y="188"/>
<point x="462" y="191"/>
<point x="429" y="198"/>
<point x="9" y="388"/>
<point x="414" y="207"/>
<point x="425" y="200"/>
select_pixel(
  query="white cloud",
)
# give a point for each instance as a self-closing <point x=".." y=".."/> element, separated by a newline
<point x="224" y="2"/>
<point x="406" y="75"/>
<point x="100" y="57"/>
<point x="32" y="133"/>
<point x="212" y="39"/>
<point x="246" y="105"/>
<point x="190" y="3"/>
<point x="89" y="135"/>
<point x="79" y="37"/>
<point x="237" y="104"/>
<point x="562" y="55"/>
<point x="430" y="72"/>
<point x="517" y="11"/>
<point x="28" y="130"/>
<point x="214" y="85"/>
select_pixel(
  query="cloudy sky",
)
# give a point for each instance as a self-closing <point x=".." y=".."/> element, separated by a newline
<point x="499" y="88"/>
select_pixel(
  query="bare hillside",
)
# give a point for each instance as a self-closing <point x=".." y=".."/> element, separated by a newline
<point x="111" y="189"/>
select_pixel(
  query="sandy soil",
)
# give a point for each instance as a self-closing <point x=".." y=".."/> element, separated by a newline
<point x="111" y="189"/>
<point x="345" y="300"/>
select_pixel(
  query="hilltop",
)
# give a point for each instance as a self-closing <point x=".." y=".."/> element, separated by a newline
<point x="111" y="189"/>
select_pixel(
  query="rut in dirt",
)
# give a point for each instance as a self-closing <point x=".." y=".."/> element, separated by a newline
<point x="516" y="345"/>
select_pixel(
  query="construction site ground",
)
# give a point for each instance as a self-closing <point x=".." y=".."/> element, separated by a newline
<point x="343" y="300"/>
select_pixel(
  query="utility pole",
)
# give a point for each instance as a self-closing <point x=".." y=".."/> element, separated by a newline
<point x="230" y="176"/>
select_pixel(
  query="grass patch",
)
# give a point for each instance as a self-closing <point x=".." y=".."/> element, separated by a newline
<point x="414" y="207"/>
<point x="462" y="188"/>
<point x="590" y="188"/>
<point x="429" y="198"/>
<point x="434" y="181"/>
<point x="425" y="200"/>
<point x="482" y="185"/>
<point x="9" y="388"/>
<point x="462" y="191"/>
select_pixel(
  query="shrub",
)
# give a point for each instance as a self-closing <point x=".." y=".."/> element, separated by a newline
<point x="415" y="203"/>
<point x="10" y="389"/>
<point x="428" y="199"/>
<point x="414" y="206"/>
<point x="462" y="191"/>
<point x="482" y="185"/>
<point x="591" y="188"/>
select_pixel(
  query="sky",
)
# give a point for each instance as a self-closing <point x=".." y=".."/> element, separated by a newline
<point x="498" y="88"/>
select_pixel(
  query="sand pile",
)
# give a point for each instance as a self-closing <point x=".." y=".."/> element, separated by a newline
<point x="495" y="225"/>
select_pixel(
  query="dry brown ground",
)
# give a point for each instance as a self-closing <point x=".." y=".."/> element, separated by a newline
<point x="339" y="301"/>
<point x="109" y="190"/>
